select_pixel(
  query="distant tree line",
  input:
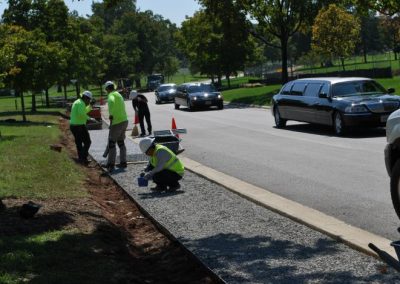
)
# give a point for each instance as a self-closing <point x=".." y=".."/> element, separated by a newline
<point x="42" y="44"/>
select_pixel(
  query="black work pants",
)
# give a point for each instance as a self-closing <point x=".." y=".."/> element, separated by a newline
<point x="82" y="140"/>
<point x="144" y="114"/>
<point x="166" y="178"/>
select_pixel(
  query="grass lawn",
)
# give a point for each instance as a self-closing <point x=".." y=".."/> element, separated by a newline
<point x="28" y="167"/>
<point x="255" y="96"/>
<point x="49" y="248"/>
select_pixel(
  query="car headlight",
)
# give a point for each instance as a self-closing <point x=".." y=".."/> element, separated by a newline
<point x="219" y="96"/>
<point x="195" y="98"/>
<point x="356" y="109"/>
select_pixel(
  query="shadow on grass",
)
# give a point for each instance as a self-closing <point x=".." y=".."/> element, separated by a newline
<point x="19" y="113"/>
<point x="9" y="122"/>
<point x="261" y="100"/>
<point x="66" y="257"/>
<point x="262" y="259"/>
<point x="4" y="138"/>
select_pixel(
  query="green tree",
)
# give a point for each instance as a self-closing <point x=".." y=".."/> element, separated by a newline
<point x="279" y="19"/>
<point x="335" y="32"/>
<point x="231" y="25"/>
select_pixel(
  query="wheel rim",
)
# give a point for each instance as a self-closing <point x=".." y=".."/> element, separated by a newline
<point x="338" y="123"/>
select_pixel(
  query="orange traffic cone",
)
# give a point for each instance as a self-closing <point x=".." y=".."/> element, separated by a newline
<point x="173" y="127"/>
<point x="135" y="131"/>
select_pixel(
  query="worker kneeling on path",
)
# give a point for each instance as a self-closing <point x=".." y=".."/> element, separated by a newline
<point x="78" y="120"/>
<point x="164" y="168"/>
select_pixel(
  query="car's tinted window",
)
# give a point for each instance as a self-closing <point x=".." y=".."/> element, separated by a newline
<point x="298" y="89"/>
<point x="201" y="88"/>
<point x="357" y="88"/>
<point x="165" y="88"/>
<point x="286" y="89"/>
<point x="312" y="90"/>
<point x="324" y="89"/>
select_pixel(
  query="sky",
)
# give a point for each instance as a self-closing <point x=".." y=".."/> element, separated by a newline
<point x="174" y="10"/>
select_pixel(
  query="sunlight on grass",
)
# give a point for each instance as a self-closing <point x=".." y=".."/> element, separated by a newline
<point x="29" y="168"/>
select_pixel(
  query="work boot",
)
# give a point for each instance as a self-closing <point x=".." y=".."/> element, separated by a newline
<point x="174" y="187"/>
<point x="159" y="188"/>
<point x="108" y="167"/>
<point x="143" y="135"/>
<point x="122" y="165"/>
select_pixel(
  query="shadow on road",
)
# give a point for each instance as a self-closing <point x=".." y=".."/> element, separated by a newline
<point x="324" y="130"/>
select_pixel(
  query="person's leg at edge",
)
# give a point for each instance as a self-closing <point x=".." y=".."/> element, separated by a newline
<point x="141" y="122"/>
<point x="148" y="121"/>
<point x="78" y="140"/>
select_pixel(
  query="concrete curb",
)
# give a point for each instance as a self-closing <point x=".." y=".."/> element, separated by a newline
<point x="338" y="230"/>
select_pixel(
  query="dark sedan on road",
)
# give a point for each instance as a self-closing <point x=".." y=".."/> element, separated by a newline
<point x="165" y="93"/>
<point x="193" y="95"/>
<point x="338" y="102"/>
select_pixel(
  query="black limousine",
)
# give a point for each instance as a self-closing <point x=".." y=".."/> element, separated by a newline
<point x="340" y="102"/>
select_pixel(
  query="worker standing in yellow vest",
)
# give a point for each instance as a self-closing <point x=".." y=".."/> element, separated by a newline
<point x="164" y="168"/>
<point x="118" y="124"/>
<point x="78" y="120"/>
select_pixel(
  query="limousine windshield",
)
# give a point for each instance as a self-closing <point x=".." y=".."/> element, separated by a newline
<point x="357" y="88"/>
<point x="201" y="88"/>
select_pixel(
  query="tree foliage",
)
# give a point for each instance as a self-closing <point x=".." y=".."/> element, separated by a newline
<point x="335" y="32"/>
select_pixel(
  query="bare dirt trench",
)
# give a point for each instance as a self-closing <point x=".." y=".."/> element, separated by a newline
<point x="153" y="256"/>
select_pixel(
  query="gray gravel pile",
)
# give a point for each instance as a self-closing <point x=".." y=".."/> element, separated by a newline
<point x="243" y="242"/>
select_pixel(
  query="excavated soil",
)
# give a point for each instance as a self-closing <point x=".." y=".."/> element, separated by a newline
<point x="155" y="257"/>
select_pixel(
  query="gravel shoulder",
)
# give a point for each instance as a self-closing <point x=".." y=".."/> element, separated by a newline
<point x="243" y="242"/>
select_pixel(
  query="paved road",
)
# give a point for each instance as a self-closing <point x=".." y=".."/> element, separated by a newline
<point x="342" y="177"/>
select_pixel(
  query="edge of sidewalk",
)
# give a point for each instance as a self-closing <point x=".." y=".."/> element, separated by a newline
<point x="352" y="236"/>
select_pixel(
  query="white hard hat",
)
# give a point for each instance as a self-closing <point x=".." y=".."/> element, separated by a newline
<point x="87" y="94"/>
<point x="133" y="94"/>
<point x="145" y="144"/>
<point x="108" y="83"/>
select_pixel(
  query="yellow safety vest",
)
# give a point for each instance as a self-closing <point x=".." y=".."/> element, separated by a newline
<point x="173" y="164"/>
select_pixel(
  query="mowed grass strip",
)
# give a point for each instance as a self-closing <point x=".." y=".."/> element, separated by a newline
<point x="253" y="96"/>
<point x="29" y="168"/>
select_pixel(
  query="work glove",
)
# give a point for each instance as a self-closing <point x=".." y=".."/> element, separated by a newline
<point x="148" y="176"/>
<point x="148" y="168"/>
<point x="110" y="117"/>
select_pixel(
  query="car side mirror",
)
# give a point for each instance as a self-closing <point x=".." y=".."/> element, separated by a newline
<point x="391" y="90"/>
<point x="323" y="95"/>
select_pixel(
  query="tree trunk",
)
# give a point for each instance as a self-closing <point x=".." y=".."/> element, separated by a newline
<point x="229" y="80"/>
<point x="365" y="53"/>
<point x="77" y="87"/>
<point x="284" y="52"/>
<point x="342" y="59"/>
<point x="395" y="55"/>
<point x="65" y="92"/>
<point x="137" y="83"/>
<point x="219" y="80"/>
<point x="33" y="102"/>
<point x="47" y="98"/>
<point x="59" y="88"/>
<point x="21" y="94"/>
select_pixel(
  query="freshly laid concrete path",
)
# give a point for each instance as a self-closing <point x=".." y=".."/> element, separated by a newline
<point x="243" y="242"/>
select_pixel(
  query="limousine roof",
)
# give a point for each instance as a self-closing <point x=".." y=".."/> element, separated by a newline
<point x="334" y="80"/>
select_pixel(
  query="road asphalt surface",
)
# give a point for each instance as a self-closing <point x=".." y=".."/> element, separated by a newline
<point x="344" y="177"/>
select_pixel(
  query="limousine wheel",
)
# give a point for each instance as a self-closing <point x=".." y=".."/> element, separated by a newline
<point x="338" y="125"/>
<point x="279" y="121"/>
<point x="395" y="187"/>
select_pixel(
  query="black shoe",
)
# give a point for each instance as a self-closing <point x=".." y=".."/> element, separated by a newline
<point x="143" y="135"/>
<point x="122" y="165"/>
<point x="84" y="161"/>
<point x="109" y="167"/>
<point x="158" y="188"/>
<point x="173" y="188"/>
